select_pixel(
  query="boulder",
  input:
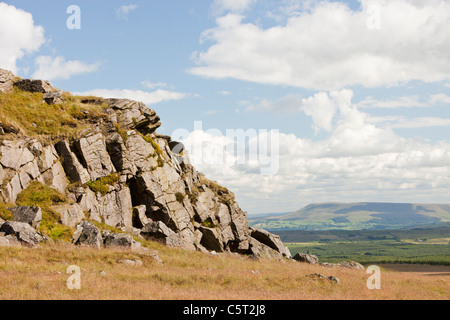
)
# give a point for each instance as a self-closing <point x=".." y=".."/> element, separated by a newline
<point x="30" y="215"/>
<point x="9" y="241"/>
<point x="131" y="263"/>
<point x="71" y="214"/>
<point x="351" y="265"/>
<point x="53" y="97"/>
<point x="307" y="258"/>
<point x="270" y="240"/>
<point x="22" y="231"/>
<point x="260" y="250"/>
<point x="30" y="85"/>
<point x="87" y="234"/>
<point x="322" y="277"/>
<point x="6" y="81"/>
<point x="120" y="240"/>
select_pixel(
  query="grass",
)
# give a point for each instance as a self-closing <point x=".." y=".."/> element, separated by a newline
<point x="158" y="151"/>
<point x="102" y="184"/>
<point x="26" y="112"/>
<point x="44" y="197"/>
<point x="40" y="273"/>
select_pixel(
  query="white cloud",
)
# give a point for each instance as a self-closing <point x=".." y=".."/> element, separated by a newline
<point x="219" y="6"/>
<point x="401" y="102"/>
<point x="402" y="122"/>
<point x="52" y="68"/>
<point x="330" y="46"/>
<point x="18" y="35"/>
<point x="153" y="97"/>
<point x="123" y="11"/>
<point x="358" y="161"/>
<point x="224" y="92"/>
<point x="440" y="98"/>
<point x="153" y="85"/>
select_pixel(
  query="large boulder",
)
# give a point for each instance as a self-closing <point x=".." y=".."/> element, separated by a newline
<point x="31" y="85"/>
<point x="270" y="240"/>
<point x="6" y="81"/>
<point x="22" y="231"/>
<point x="120" y="240"/>
<point x="307" y="258"/>
<point x="260" y="250"/>
<point x="88" y="235"/>
<point x="30" y="215"/>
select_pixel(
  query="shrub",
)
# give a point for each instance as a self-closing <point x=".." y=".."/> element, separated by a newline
<point x="180" y="197"/>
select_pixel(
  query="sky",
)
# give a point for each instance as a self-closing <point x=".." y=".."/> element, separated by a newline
<point x="284" y="102"/>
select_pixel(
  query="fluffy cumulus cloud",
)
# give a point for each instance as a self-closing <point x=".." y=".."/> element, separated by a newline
<point x="147" y="97"/>
<point x="56" y="68"/>
<point x="18" y="35"/>
<point x="331" y="46"/>
<point x="358" y="161"/>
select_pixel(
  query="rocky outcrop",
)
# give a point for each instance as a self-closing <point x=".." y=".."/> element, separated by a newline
<point x="122" y="173"/>
<point x="6" y="81"/>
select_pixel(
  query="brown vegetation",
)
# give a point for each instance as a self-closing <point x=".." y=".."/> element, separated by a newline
<point x="40" y="273"/>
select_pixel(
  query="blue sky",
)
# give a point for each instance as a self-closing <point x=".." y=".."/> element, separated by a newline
<point x="358" y="90"/>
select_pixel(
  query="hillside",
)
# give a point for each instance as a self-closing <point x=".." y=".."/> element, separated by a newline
<point x="357" y="216"/>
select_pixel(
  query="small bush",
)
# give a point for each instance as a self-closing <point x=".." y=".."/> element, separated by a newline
<point x="180" y="197"/>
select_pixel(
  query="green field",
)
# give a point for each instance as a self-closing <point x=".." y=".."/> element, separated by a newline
<point x="424" y="246"/>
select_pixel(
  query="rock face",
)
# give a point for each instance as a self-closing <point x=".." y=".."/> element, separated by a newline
<point x="126" y="175"/>
<point x="6" y="81"/>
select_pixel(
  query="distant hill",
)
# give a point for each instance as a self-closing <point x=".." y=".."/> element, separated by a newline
<point x="356" y="216"/>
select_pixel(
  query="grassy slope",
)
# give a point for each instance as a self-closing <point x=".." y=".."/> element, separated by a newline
<point x="25" y="112"/>
<point x="41" y="274"/>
